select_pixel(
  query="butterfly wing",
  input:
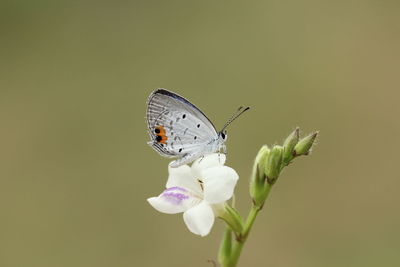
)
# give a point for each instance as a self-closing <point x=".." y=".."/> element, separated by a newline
<point x="178" y="128"/>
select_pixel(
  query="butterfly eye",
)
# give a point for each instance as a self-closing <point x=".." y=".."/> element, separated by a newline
<point x="223" y="135"/>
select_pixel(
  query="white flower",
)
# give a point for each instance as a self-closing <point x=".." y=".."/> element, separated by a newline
<point x="197" y="191"/>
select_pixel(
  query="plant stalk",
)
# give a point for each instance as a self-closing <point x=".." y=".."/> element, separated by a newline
<point x="232" y="259"/>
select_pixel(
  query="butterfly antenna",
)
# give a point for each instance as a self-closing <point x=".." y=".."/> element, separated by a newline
<point x="239" y="112"/>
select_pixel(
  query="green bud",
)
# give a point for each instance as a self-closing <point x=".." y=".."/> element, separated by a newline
<point x="289" y="145"/>
<point x="262" y="158"/>
<point x="257" y="182"/>
<point x="303" y="147"/>
<point x="274" y="164"/>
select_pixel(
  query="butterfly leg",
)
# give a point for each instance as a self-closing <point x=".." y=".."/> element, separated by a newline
<point x="224" y="151"/>
<point x="201" y="158"/>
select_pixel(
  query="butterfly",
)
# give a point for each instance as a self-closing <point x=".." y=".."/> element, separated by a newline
<point x="178" y="129"/>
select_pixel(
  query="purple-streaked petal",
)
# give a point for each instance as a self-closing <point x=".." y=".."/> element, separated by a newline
<point x="182" y="177"/>
<point x="219" y="183"/>
<point x="208" y="161"/>
<point x="174" y="200"/>
<point x="199" y="219"/>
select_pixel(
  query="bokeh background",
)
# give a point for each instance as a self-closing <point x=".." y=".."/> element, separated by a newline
<point x="75" y="168"/>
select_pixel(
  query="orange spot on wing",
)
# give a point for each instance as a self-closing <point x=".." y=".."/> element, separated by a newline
<point x="161" y="134"/>
<point x="164" y="140"/>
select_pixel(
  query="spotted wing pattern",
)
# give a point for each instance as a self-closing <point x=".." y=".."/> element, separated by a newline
<point x="177" y="128"/>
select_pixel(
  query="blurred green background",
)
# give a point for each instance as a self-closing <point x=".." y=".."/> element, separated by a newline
<point x="75" y="167"/>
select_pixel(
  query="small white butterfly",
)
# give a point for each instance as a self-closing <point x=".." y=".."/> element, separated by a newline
<point x="179" y="129"/>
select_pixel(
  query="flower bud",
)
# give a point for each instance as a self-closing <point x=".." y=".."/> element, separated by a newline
<point x="257" y="182"/>
<point x="262" y="158"/>
<point x="274" y="165"/>
<point x="289" y="144"/>
<point x="303" y="147"/>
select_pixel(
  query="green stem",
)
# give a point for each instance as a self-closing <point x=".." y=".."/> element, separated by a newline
<point x="226" y="247"/>
<point x="241" y="239"/>
<point x="266" y="169"/>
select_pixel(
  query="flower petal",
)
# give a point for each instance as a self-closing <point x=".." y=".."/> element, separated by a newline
<point x="219" y="183"/>
<point x="199" y="219"/>
<point x="207" y="161"/>
<point x="174" y="200"/>
<point x="182" y="177"/>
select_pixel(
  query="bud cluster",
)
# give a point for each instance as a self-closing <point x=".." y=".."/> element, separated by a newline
<point x="270" y="162"/>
